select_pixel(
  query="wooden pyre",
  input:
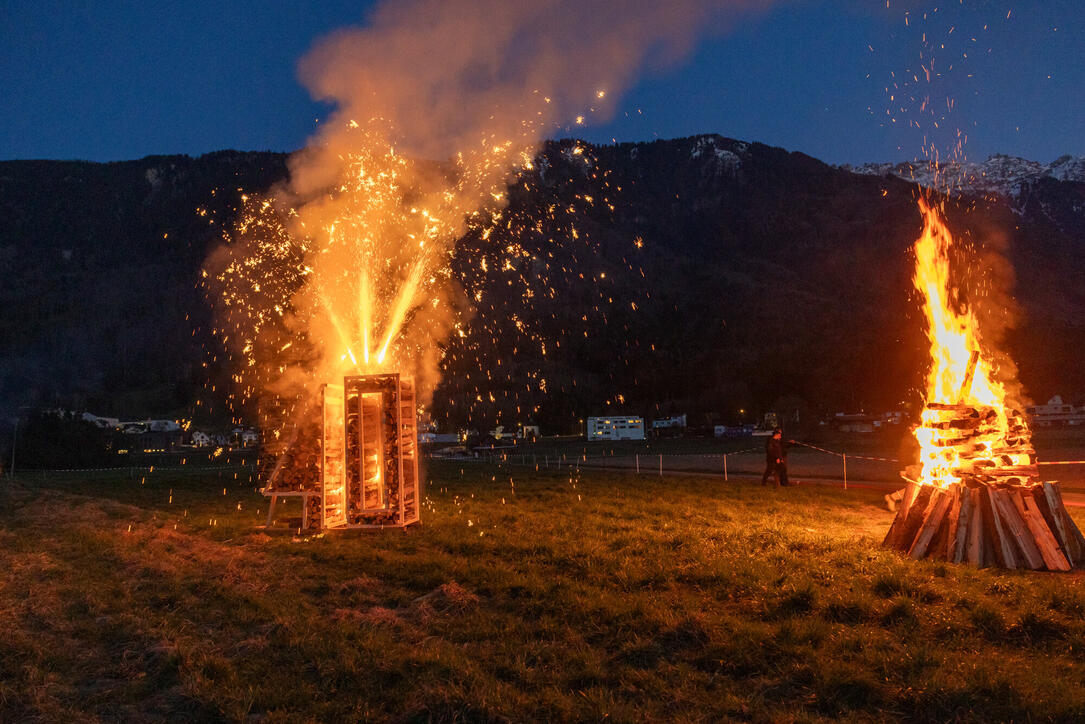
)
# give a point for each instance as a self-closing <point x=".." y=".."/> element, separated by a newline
<point x="997" y="512"/>
<point x="365" y="451"/>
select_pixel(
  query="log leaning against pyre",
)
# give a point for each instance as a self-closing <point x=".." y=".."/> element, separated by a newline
<point x="1012" y="526"/>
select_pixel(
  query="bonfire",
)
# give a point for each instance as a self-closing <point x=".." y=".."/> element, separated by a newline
<point x="976" y="494"/>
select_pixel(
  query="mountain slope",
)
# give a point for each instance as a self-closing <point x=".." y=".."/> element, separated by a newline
<point x="726" y="276"/>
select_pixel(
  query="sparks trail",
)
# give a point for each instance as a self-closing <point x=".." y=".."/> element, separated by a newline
<point x="950" y="46"/>
<point x="374" y="274"/>
<point x="354" y="280"/>
<point x="507" y="358"/>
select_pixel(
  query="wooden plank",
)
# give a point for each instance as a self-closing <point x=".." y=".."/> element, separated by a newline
<point x="953" y="520"/>
<point x="271" y="509"/>
<point x="910" y="492"/>
<point x="1054" y="558"/>
<point x="1075" y="543"/>
<point x="1017" y="529"/>
<point x="969" y="374"/>
<point x="936" y="512"/>
<point x="1049" y="505"/>
<point x="1003" y="549"/>
<point x="959" y="541"/>
<point x="939" y="543"/>
<point x="949" y="407"/>
<point x="904" y="528"/>
<point x="974" y="550"/>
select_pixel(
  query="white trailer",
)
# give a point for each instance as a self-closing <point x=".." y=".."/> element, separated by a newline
<point x="616" y="428"/>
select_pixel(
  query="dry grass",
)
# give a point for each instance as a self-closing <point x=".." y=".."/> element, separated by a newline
<point x="540" y="597"/>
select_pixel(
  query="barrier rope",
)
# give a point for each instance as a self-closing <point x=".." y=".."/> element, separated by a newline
<point x="814" y="447"/>
<point x="867" y="457"/>
<point x="841" y="454"/>
<point x="136" y="469"/>
<point x="894" y="460"/>
<point x="711" y="455"/>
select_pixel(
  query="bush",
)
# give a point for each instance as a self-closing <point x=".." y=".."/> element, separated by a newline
<point x="59" y="440"/>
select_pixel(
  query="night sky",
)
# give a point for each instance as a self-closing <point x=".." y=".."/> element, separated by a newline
<point x="120" y="80"/>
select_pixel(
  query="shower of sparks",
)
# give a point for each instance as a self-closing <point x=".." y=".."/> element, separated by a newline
<point x="950" y="48"/>
<point x="422" y="268"/>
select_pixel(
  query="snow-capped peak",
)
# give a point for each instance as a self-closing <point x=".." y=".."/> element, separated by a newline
<point x="999" y="174"/>
<point x="720" y="150"/>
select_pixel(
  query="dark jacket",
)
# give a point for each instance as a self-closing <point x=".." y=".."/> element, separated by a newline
<point x="775" y="450"/>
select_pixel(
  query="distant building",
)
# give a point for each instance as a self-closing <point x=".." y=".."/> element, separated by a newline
<point x="106" y="423"/>
<point x="201" y="439"/>
<point x="664" y="423"/>
<point x="139" y="427"/>
<point x="733" y="430"/>
<point x="244" y="436"/>
<point x="1055" y="413"/>
<point x="866" y="422"/>
<point x="438" y="437"/>
<point x="498" y="433"/>
<point x="615" y="428"/>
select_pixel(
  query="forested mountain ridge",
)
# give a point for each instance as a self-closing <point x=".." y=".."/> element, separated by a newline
<point x="738" y="275"/>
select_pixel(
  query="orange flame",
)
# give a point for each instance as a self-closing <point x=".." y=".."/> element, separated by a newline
<point x="961" y="374"/>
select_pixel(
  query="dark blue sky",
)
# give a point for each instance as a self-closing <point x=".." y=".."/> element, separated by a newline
<point x="113" y="80"/>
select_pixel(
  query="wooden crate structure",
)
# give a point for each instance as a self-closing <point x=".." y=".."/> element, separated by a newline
<point x="369" y="471"/>
<point x="368" y="457"/>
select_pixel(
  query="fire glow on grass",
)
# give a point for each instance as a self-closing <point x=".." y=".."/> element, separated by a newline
<point x="967" y="428"/>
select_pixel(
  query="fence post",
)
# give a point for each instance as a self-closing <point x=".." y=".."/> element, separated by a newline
<point x="844" y="457"/>
<point x="637" y="458"/>
<point x="725" y="467"/>
<point x="661" y="465"/>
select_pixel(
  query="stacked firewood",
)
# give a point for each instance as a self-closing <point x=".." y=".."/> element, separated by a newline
<point x="1012" y="526"/>
<point x="976" y="447"/>
<point x="313" y="512"/>
<point x="293" y="461"/>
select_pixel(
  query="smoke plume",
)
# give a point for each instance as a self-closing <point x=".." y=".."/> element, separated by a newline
<point x="438" y="103"/>
<point x="479" y="83"/>
<point x="446" y="74"/>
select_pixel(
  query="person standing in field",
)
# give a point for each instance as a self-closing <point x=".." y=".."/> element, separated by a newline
<point x="776" y="459"/>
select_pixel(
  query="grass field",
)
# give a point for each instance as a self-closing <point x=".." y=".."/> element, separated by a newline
<point x="524" y="596"/>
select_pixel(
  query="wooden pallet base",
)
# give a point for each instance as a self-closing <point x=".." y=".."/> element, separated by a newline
<point x="1009" y="526"/>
